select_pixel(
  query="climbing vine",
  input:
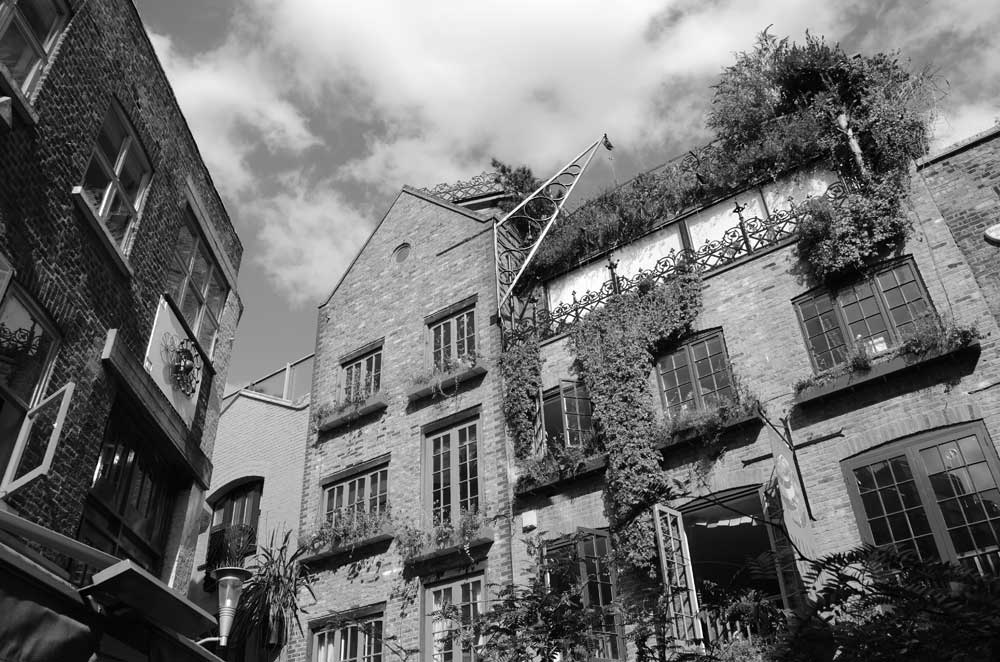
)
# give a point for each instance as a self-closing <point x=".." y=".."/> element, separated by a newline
<point x="521" y="369"/>
<point x="614" y="348"/>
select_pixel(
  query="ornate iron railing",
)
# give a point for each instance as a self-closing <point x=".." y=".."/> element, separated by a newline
<point x="750" y="235"/>
<point x="486" y="183"/>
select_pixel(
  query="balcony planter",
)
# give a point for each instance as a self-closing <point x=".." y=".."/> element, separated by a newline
<point x="527" y="487"/>
<point x="342" y="416"/>
<point x="692" y="434"/>
<point x="456" y="554"/>
<point x="444" y="382"/>
<point x="350" y="549"/>
<point x="853" y="379"/>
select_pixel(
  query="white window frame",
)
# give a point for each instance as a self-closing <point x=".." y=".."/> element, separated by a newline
<point x="678" y="575"/>
<point x="367" y="384"/>
<point x="430" y="635"/>
<point x="63" y="396"/>
<point x="333" y="650"/>
<point x="11" y="15"/>
<point x="362" y="505"/>
<point x="450" y="354"/>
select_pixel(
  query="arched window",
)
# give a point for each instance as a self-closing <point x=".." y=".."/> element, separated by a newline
<point x="233" y="533"/>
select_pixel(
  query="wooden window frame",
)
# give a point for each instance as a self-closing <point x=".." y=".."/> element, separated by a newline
<point x="337" y="630"/>
<point x="226" y="502"/>
<point x="833" y="296"/>
<point x="114" y="189"/>
<point x="451" y="322"/>
<point x="454" y="473"/>
<point x="455" y="584"/>
<point x="343" y="481"/>
<point x="367" y="374"/>
<point x="178" y="297"/>
<point x="10" y="15"/>
<point x="687" y="346"/>
<point x="562" y="393"/>
<point x="576" y="542"/>
<point x="910" y="448"/>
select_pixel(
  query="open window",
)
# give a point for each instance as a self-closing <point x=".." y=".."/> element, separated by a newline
<point x="568" y="415"/>
<point x="233" y="534"/>
<point x="30" y="422"/>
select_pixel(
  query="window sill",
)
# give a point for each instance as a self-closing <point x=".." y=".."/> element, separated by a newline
<point x="104" y="238"/>
<point x="453" y="556"/>
<point x="692" y="434"/>
<point x="879" y="371"/>
<point x="592" y="467"/>
<point x="375" y="403"/>
<point x="355" y="549"/>
<point x="446" y="382"/>
<point x="18" y="101"/>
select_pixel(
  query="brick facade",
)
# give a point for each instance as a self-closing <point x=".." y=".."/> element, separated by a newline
<point x="104" y="56"/>
<point x="450" y="261"/>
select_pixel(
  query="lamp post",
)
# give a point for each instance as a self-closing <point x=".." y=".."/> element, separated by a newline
<point x="230" y="582"/>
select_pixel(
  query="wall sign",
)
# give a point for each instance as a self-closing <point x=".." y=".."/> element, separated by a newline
<point x="174" y="362"/>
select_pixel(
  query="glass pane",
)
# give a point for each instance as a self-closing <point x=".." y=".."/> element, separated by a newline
<point x="95" y="185"/>
<point x="42" y="425"/>
<point x="119" y="218"/>
<point x="24" y="347"/>
<point x="199" y="272"/>
<point x="191" y="306"/>
<point x="206" y="334"/>
<point x="133" y="173"/>
<point x="41" y="17"/>
<point x="17" y="55"/>
<point x="971" y="450"/>
<point x="111" y="137"/>
<point x="216" y="297"/>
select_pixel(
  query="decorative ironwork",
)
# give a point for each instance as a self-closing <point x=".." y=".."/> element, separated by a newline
<point x="184" y="361"/>
<point x="486" y="183"/>
<point x="19" y="341"/>
<point x="750" y="235"/>
<point x="518" y="234"/>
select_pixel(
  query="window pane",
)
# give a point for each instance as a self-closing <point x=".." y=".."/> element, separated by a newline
<point x="16" y="54"/>
<point x="25" y="345"/>
<point x="119" y="218"/>
<point x="111" y="138"/>
<point x="199" y="272"/>
<point x="216" y="297"/>
<point x="133" y="173"/>
<point x="191" y="306"/>
<point x="206" y="333"/>
<point x="41" y="16"/>
<point x="95" y="185"/>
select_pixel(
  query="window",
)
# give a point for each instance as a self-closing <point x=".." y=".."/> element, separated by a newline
<point x="454" y="464"/>
<point x="447" y="608"/>
<point x="695" y="376"/>
<point x="935" y="495"/>
<point x="587" y="556"/>
<point x="568" y="416"/>
<point x="361" y="641"/>
<point x="875" y="314"/>
<point x="453" y="339"/>
<point x="116" y="179"/>
<point x="28" y="31"/>
<point x="196" y="283"/>
<point x="128" y="510"/>
<point x="364" y="493"/>
<point x="363" y="377"/>
<point x="28" y="344"/>
<point x="233" y="534"/>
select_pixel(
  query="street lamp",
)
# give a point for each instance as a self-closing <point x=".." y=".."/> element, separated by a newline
<point x="230" y="582"/>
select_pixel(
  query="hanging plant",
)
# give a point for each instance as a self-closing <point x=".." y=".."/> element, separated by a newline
<point x="521" y="371"/>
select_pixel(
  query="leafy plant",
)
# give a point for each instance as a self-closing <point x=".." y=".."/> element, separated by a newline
<point x="709" y="424"/>
<point x="558" y="461"/>
<point x="412" y="541"/>
<point x="230" y="547"/>
<point x="346" y="528"/>
<point x="520" y="367"/>
<point x="441" y="373"/>
<point x="270" y="602"/>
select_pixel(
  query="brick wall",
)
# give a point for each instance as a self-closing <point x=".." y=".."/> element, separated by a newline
<point x="451" y="259"/>
<point x="103" y="55"/>
<point x="751" y="301"/>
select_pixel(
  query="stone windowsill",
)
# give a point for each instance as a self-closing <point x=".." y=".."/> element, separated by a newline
<point x="103" y="236"/>
<point x="452" y="556"/>
<point x="18" y="101"/>
<point x="855" y="379"/>
<point x="353" y="549"/>
<point x="591" y="467"/>
<point x="375" y="403"/>
<point x="447" y="381"/>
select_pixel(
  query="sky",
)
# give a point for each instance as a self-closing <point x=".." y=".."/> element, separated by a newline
<point x="312" y="114"/>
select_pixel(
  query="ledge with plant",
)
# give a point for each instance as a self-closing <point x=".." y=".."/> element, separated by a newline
<point x="331" y="417"/>
<point x="558" y="465"/>
<point x="447" y="544"/>
<point x="445" y="379"/>
<point x="931" y="341"/>
<point x="708" y="426"/>
<point x="347" y="533"/>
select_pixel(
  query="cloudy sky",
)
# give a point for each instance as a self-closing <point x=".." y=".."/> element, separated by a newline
<point x="312" y="114"/>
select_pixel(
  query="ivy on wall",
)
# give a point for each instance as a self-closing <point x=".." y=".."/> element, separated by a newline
<point x="521" y="371"/>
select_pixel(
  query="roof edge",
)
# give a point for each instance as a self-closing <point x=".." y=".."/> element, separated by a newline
<point x="960" y="146"/>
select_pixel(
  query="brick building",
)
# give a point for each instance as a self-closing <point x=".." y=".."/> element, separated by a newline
<point x="258" y="459"/>
<point x="900" y="452"/>
<point x="118" y="266"/>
